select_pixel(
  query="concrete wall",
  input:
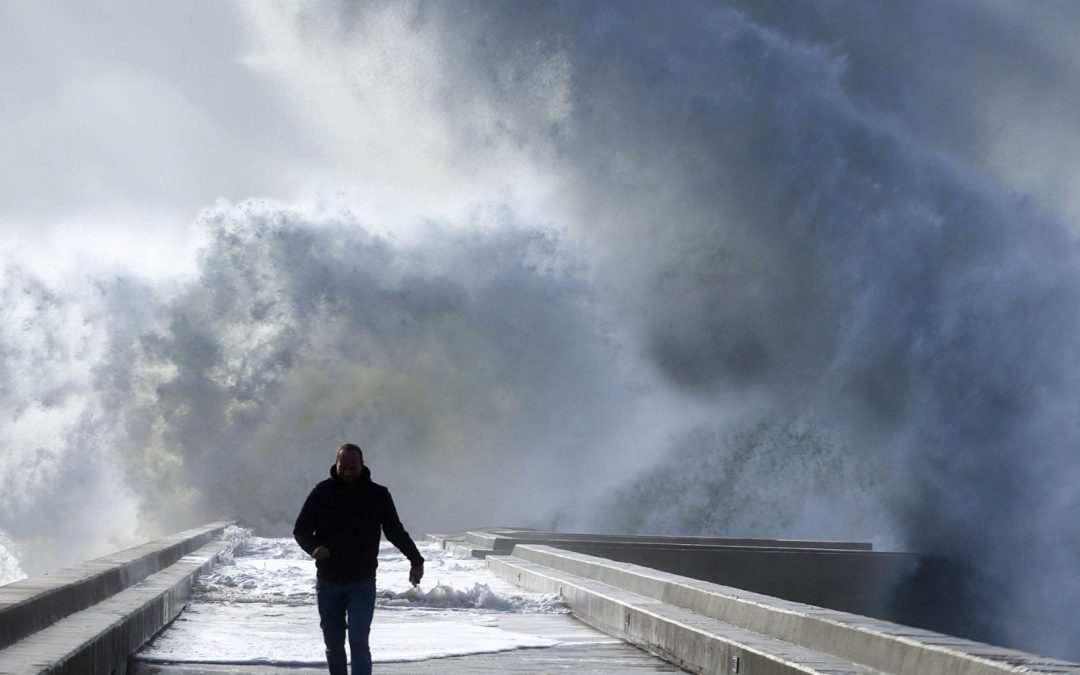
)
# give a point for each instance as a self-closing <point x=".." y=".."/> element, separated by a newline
<point x="710" y="628"/>
<point x="28" y="605"/>
<point x="504" y="539"/>
<point x="851" y="581"/>
<point x="90" y="617"/>
<point x="921" y="591"/>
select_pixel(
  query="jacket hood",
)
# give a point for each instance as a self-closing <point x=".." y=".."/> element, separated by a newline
<point x="365" y="474"/>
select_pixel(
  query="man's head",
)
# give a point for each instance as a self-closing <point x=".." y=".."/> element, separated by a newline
<point x="350" y="462"/>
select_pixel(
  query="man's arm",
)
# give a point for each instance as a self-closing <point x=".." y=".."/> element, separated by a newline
<point x="395" y="532"/>
<point x="304" y="530"/>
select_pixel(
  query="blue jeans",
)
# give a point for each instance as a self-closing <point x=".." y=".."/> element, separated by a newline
<point x="357" y="600"/>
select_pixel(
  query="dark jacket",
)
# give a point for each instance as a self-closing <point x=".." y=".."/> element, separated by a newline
<point x="346" y="519"/>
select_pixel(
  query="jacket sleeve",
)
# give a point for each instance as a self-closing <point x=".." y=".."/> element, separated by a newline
<point x="304" y="530"/>
<point x="395" y="532"/>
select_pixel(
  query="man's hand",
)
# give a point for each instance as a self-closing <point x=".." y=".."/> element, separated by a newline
<point x="416" y="573"/>
<point x="320" y="553"/>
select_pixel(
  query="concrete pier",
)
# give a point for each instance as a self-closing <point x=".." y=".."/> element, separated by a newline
<point x="639" y="605"/>
<point x="582" y="650"/>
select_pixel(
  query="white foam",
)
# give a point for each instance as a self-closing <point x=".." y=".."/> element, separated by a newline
<point x="290" y="635"/>
<point x="258" y="607"/>
<point x="255" y="569"/>
<point x="480" y="596"/>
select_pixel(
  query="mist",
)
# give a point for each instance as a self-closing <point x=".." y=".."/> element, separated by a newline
<point x="738" y="269"/>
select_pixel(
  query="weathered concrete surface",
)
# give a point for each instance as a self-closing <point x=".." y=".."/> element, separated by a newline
<point x="480" y="543"/>
<point x="692" y="641"/>
<point x="31" y="604"/>
<point x="862" y="582"/>
<point x="704" y="626"/>
<point x="584" y="649"/>
<point x="505" y="539"/>
<point x="847" y="576"/>
<point x="99" y="639"/>
<point x="923" y="591"/>
<point x="701" y="626"/>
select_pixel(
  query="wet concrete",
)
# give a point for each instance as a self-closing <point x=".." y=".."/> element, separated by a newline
<point x="582" y="649"/>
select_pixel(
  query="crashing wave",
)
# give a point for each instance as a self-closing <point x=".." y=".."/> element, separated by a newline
<point x="480" y="596"/>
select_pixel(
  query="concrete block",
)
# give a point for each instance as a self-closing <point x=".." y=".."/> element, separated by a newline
<point x="464" y="550"/>
<point x="442" y="539"/>
<point x="490" y="541"/>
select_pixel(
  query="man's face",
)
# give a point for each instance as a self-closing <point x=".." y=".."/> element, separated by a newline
<point x="349" y="466"/>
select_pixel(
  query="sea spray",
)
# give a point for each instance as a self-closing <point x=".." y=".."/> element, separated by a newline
<point x="9" y="563"/>
<point x="585" y="244"/>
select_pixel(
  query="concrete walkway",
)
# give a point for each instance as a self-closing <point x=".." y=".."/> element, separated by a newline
<point x="582" y="649"/>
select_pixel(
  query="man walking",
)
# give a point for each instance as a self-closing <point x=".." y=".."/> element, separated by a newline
<point x="339" y="526"/>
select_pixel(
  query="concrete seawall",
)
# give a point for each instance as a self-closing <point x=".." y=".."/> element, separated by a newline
<point x="88" y="618"/>
<point x="707" y="627"/>
<point x="921" y="591"/>
<point x="504" y="539"/>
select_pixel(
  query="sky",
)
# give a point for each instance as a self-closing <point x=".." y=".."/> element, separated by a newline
<point x="735" y="268"/>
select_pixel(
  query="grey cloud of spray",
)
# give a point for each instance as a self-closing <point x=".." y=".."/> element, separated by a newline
<point x="471" y="363"/>
<point x="473" y="367"/>
<point x="61" y="495"/>
<point x="782" y="231"/>
<point x="802" y="233"/>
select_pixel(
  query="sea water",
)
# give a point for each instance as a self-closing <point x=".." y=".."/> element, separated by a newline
<point x="258" y="607"/>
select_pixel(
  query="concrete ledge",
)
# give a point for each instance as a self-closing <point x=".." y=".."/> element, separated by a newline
<point x="863" y="582"/>
<point x="501" y="541"/>
<point x="505" y="539"/>
<point x="463" y="550"/>
<point x="101" y="638"/>
<point x="691" y="641"/>
<point x="871" y="643"/>
<point x="848" y="576"/>
<point x="443" y="539"/>
<point x="29" y="605"/>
